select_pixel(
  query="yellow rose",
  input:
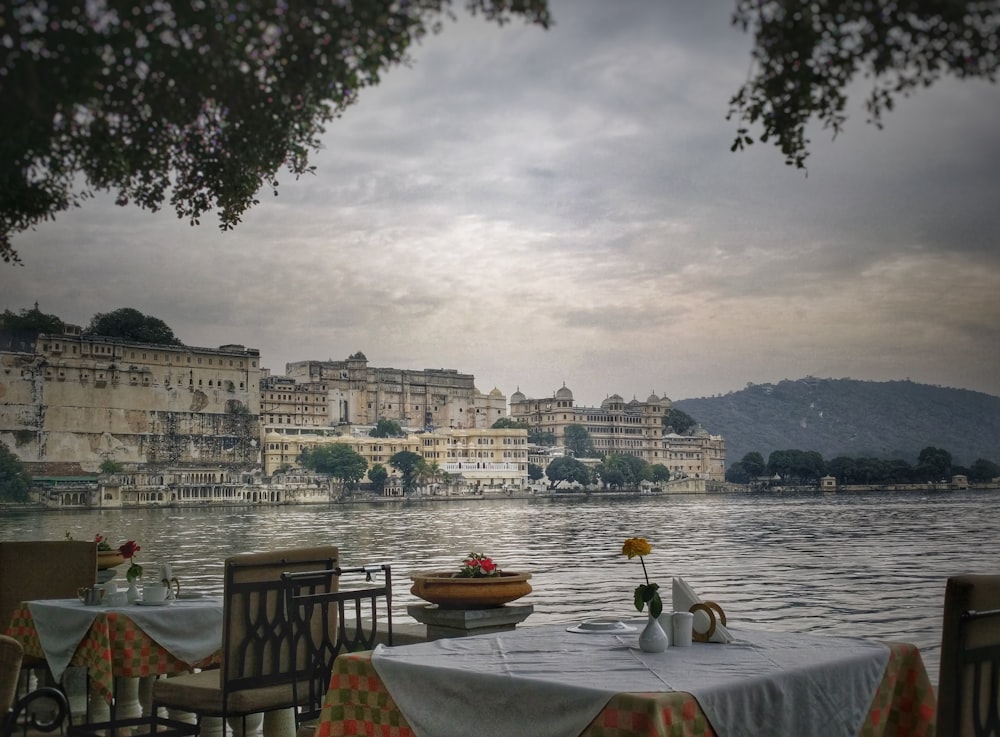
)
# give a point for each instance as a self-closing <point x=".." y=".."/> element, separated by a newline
<point x="636" y="546"/>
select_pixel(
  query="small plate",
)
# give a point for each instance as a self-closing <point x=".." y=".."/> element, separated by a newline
<point x="140" y="602"/>
<point x="189" y="595"/>
<point x="601" y="627"/>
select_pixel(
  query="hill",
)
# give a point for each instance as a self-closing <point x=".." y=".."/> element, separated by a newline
<point x="833" y="417"/>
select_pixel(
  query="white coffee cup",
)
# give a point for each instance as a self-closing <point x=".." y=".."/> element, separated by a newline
<point x="682" y="624"/>
<point x="154" y="592"/>
<point x="110" y="588"/>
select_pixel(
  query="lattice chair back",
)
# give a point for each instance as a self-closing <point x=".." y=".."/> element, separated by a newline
<point x="256" y="629"/>
<point x="327" y="623"/>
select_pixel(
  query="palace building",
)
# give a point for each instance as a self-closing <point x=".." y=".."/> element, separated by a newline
<point x="72" y="401"/>
<point x="626" y="428"/>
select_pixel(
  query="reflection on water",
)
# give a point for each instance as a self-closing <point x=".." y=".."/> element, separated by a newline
<point x="864" y="564"/>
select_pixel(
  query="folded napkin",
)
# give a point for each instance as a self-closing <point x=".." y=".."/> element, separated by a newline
<point x="684" y="598"/>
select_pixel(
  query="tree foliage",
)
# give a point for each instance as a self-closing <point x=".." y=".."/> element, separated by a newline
<point x="535" y="472"/>
<point x="130" y="324"/>
<point x="681" y="422"/>
<point x="117" y="97"/>
<point x="567" y="469"/>
<point x="14" y="480"/>
<point x="337" y="460"/>
<point x="806" y="55"/>
<point x="577" y="440"/>
<point x="387" y="429"/>
<point x="805" y="467"/>
<point x="508" y="423"/>
<point x="538" y="436"/>
<point x="33" y="320"/>
<point x="408" y="464"/>
<point x="378" y="475"/>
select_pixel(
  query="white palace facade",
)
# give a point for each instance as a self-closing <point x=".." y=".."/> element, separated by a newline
<point x="626" y="428"/>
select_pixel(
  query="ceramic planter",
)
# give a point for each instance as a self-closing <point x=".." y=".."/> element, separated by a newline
<point x="450" y="592"/>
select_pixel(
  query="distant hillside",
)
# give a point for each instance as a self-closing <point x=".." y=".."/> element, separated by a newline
<point x="889" y="420"/>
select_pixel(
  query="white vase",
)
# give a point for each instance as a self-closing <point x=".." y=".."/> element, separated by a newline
<point x="653" y="639"/>
<point x="133" y="592"/>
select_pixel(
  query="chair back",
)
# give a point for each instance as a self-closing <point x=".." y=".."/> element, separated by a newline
<point x="11" y="653"/>
<point x="969" y="679"/>
<point x="320" y="625"/>
<point x="43" y="569"/>
<point x="256" y="632"/>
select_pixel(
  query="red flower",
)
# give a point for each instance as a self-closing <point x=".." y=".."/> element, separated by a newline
<point x="487" y="565"/>
<point x="128" y="549"/>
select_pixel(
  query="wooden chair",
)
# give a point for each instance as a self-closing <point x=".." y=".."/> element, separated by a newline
<point x="42" y="710"/>
<point x="43" y="569"/>
<point x="969" y="679"/>
<point x="256" y="673"/>
<point x="323" y="627"/>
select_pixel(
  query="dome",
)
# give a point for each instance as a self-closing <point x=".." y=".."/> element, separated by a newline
<point x="517" y="396"/>
<point x="564" y="393"/>
<point x="494" y="392"/>
<point x="652" y="399"/>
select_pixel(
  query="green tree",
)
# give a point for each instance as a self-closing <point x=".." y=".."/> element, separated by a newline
<point x="378" y="476"/>
<point x="130" y="324"/>
<point x="983" y="470"/>
<point x="806" y="56"/>
<point x="110" y="466"/>
<point x="535" y="472"/>
<point x="577" y="440"/>
<point x="508" y="423"/>
<point x="387" y="429"/>
<point x="679" y="421"/>
<point x="538" y="436"/>
<point x="933" y="464"/>
<point x="659" y="473"/>
<point x="120" y="101"/>
<point x="737" y="474"/>
<point x="754" y="464"/>
<point x="14" y="480"/>
<point x="33" y="320"/>
<point x="567" y="469"/>
<point x="408" y="464"/>
<point x="338" y="460"/>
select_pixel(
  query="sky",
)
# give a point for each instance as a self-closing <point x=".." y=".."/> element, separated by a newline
<point x="547" y="208"/>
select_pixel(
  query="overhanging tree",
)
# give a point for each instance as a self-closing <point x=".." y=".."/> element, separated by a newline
<point x="806" y="54"/>
<point x="338" y="460"/>
<point x="199" y="102"/>
<point x="97" y="99"/>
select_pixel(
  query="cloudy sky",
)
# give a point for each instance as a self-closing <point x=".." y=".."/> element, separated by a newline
<point x="547" y="207"/>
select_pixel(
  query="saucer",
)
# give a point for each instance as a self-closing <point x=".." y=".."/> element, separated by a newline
<point x="140" y="602"/>
<point x="189" y="595"/>
<point x="601" y="627"/>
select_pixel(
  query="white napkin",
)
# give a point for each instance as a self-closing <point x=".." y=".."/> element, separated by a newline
<point x="683" y="598"/>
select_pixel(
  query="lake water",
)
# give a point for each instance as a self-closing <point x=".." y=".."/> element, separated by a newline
<point x="873" y="565"/>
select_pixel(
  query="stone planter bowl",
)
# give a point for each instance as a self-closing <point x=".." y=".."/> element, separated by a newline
<point x="450" y="592"/>
<point x="109" y="559"/>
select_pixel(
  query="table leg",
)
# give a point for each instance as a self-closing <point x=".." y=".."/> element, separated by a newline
<point x="247" y="726"/>
<point x="279" y="723"/>
<point x="127" y="704"/>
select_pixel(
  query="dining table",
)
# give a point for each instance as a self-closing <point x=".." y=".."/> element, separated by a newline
<point x="118" y="645"/>
<point x="561" y="680"/>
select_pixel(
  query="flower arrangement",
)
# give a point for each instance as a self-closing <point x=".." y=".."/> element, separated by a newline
<point x="647" y="593"/>
<point x="477" y="565"/>
<point x="126" y="550"/>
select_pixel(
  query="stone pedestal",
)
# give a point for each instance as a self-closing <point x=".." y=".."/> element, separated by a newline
<point x="443" y="623"/>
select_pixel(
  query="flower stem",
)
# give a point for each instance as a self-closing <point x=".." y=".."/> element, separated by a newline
<point x="644" y="573"/>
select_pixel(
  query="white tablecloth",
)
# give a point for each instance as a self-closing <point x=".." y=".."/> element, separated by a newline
<point x="778" y="684"/>
<point x="189" y="629"/>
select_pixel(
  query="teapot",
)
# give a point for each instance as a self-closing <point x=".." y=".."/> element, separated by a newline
<point x="90" y="595"/>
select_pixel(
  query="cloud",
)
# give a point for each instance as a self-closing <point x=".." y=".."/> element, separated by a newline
<point x="538" y="207"/>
